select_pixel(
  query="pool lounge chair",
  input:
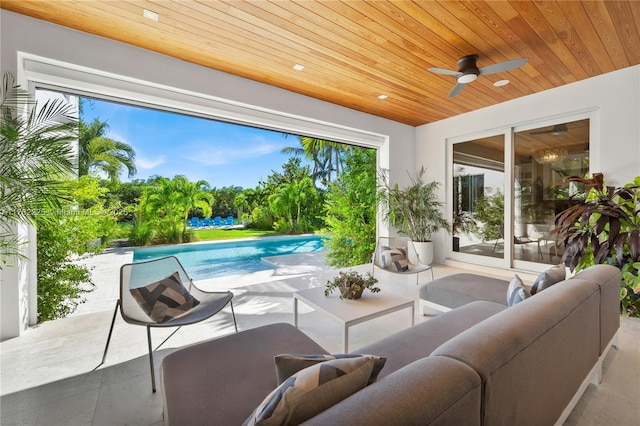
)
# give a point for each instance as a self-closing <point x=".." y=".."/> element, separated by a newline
<point x="217" y="221"/>
<point x="229" y="221"/>
<point x="206" y="222"/>
<point x="195" y="222"/>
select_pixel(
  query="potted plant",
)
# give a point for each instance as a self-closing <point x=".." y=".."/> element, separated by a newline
<point x="415" y="211"/>
<point x="351" y="285"/>
<point x="604" y="227"/>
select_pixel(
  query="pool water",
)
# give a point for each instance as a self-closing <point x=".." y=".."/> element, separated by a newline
<point x="217" y="259"/>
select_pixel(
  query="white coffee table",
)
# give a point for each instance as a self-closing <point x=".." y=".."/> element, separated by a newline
<point x="351" y="312"/>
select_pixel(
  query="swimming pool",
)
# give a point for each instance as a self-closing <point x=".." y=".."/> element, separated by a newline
<point x="217" y="259"/>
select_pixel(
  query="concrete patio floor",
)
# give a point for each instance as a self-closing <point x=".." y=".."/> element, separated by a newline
<point x="48" y="376"/>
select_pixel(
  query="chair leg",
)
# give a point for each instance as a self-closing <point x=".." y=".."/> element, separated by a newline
<point x="153" y="375"/>
<point x="113" y="321"/>
<point x="432" y="274"/>
<point x="233" y="313"/>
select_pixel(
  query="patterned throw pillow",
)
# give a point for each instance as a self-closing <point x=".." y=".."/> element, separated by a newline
<point x="516" y="292"/>
<point x="289" y="364"/>
<point x="395" y="258"/>
<point x="548" y="278"/>
<point x="312" y="390"/>
<point x="165" y="299"/>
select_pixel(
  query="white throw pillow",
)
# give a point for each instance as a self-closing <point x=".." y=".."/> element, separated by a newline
<point x="516" y="292"/>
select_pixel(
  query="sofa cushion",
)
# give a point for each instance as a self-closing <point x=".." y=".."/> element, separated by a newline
<point x="210" y="377"/>
<point x="289" y="364"/>
<point x="165" y="299"/>
<point x="551" y="276"/>
<point x="459" y="289"/>
<point x="313" y="390"/>
<point x="395" y="258"/>
<point x="516" y="292"/>
<point x="411" y="344"/>
<point x="433" y="391"/>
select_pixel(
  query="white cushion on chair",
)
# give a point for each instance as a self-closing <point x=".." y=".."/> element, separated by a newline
<point x="395" y="259"/>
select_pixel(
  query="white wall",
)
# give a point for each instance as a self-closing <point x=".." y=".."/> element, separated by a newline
<point x="615" y="143"/>
<point x="19" y="33"/>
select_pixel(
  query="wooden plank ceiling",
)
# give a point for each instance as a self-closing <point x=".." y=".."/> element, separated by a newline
<point x="354" y="51"/>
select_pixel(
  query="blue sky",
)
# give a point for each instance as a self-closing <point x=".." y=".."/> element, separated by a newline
<point x="169" y="144"/>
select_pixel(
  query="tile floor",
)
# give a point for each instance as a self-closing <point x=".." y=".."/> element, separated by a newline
<point x="48" y="376"/>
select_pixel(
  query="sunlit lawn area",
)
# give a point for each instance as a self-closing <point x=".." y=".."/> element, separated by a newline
<point x="229" y="234"/>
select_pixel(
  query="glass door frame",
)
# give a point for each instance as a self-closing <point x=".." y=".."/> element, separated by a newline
<point x="508" y="261"/>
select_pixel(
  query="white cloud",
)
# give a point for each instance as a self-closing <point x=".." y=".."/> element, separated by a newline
<point x="149" y="163"/>
<point x="236" y="153"/>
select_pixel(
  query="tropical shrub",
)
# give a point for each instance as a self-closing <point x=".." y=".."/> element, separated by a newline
<point x="165" y="205"/>
<point x="489" y="216"/>
<point x="603" y="227"/>
<point x="351" y="211"/>
<point x="76" y="230"/>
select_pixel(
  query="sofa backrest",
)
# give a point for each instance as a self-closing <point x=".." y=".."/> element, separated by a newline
<point x="608" y="279"/>
<point x="533" y="357"/>
<point x="435" y="391"/>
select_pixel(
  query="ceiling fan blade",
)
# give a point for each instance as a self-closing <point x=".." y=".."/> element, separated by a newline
<point x="456" y="89"/>
<point x="541" y="132"/>
<point x="503" y="66"/>
<point x="444" y="71"/>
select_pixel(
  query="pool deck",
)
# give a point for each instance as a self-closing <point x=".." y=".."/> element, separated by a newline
<point x="106" y="282"/>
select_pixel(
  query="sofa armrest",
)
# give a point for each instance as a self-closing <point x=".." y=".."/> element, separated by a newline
<point x="221" y="381"/>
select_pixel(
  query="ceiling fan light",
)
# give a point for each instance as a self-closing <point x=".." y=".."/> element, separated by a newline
<point x="467" y="78"/>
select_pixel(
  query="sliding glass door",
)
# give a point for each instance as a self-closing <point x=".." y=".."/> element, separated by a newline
<point x="506" y="192"/>
<point x="478" y="196"/>
<point x="542" y="157"/>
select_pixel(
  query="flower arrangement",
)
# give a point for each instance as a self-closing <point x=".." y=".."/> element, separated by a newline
<point x="351" y="285"/>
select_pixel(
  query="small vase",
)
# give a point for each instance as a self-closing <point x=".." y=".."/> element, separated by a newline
<point x="348" y="293"/>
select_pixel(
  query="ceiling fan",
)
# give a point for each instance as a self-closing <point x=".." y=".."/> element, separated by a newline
<point x="557" y="130"/>
<point x="468" y="70"/>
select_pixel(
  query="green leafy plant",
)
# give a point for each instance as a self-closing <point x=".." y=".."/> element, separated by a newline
<point x="489" y="214"/>
<point x="351" y="284"/>
<point x="351" y="211"/>
<point x="415" y="210"/>
<point x="604" y="228"/>
<point x="35" y="154"/>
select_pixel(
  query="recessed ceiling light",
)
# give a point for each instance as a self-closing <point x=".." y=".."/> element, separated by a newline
<point x="383" y="97"/>
<point x="150" y="15"/>
<point x="501" y="83"/>
<point x="298" y="67"/>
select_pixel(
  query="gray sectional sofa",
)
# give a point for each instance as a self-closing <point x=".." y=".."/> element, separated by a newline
<point x="478" y="364"/>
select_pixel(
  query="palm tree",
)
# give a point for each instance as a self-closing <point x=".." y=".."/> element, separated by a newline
<point x="172" y="200"/>
<point x="35" y="154"/>
<point x="326" y="156"/>
<point x="99" y="153"/>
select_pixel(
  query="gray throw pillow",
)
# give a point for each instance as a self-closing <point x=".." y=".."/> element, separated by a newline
<point x="312" y="390"/>
<point x="289" y="364"/>
<point x="548" y="278"/>
<point x="165" y="299"/>
<point x="516" y="292"/>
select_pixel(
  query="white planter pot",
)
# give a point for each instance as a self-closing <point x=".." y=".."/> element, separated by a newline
<point x="425" y="251"/>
